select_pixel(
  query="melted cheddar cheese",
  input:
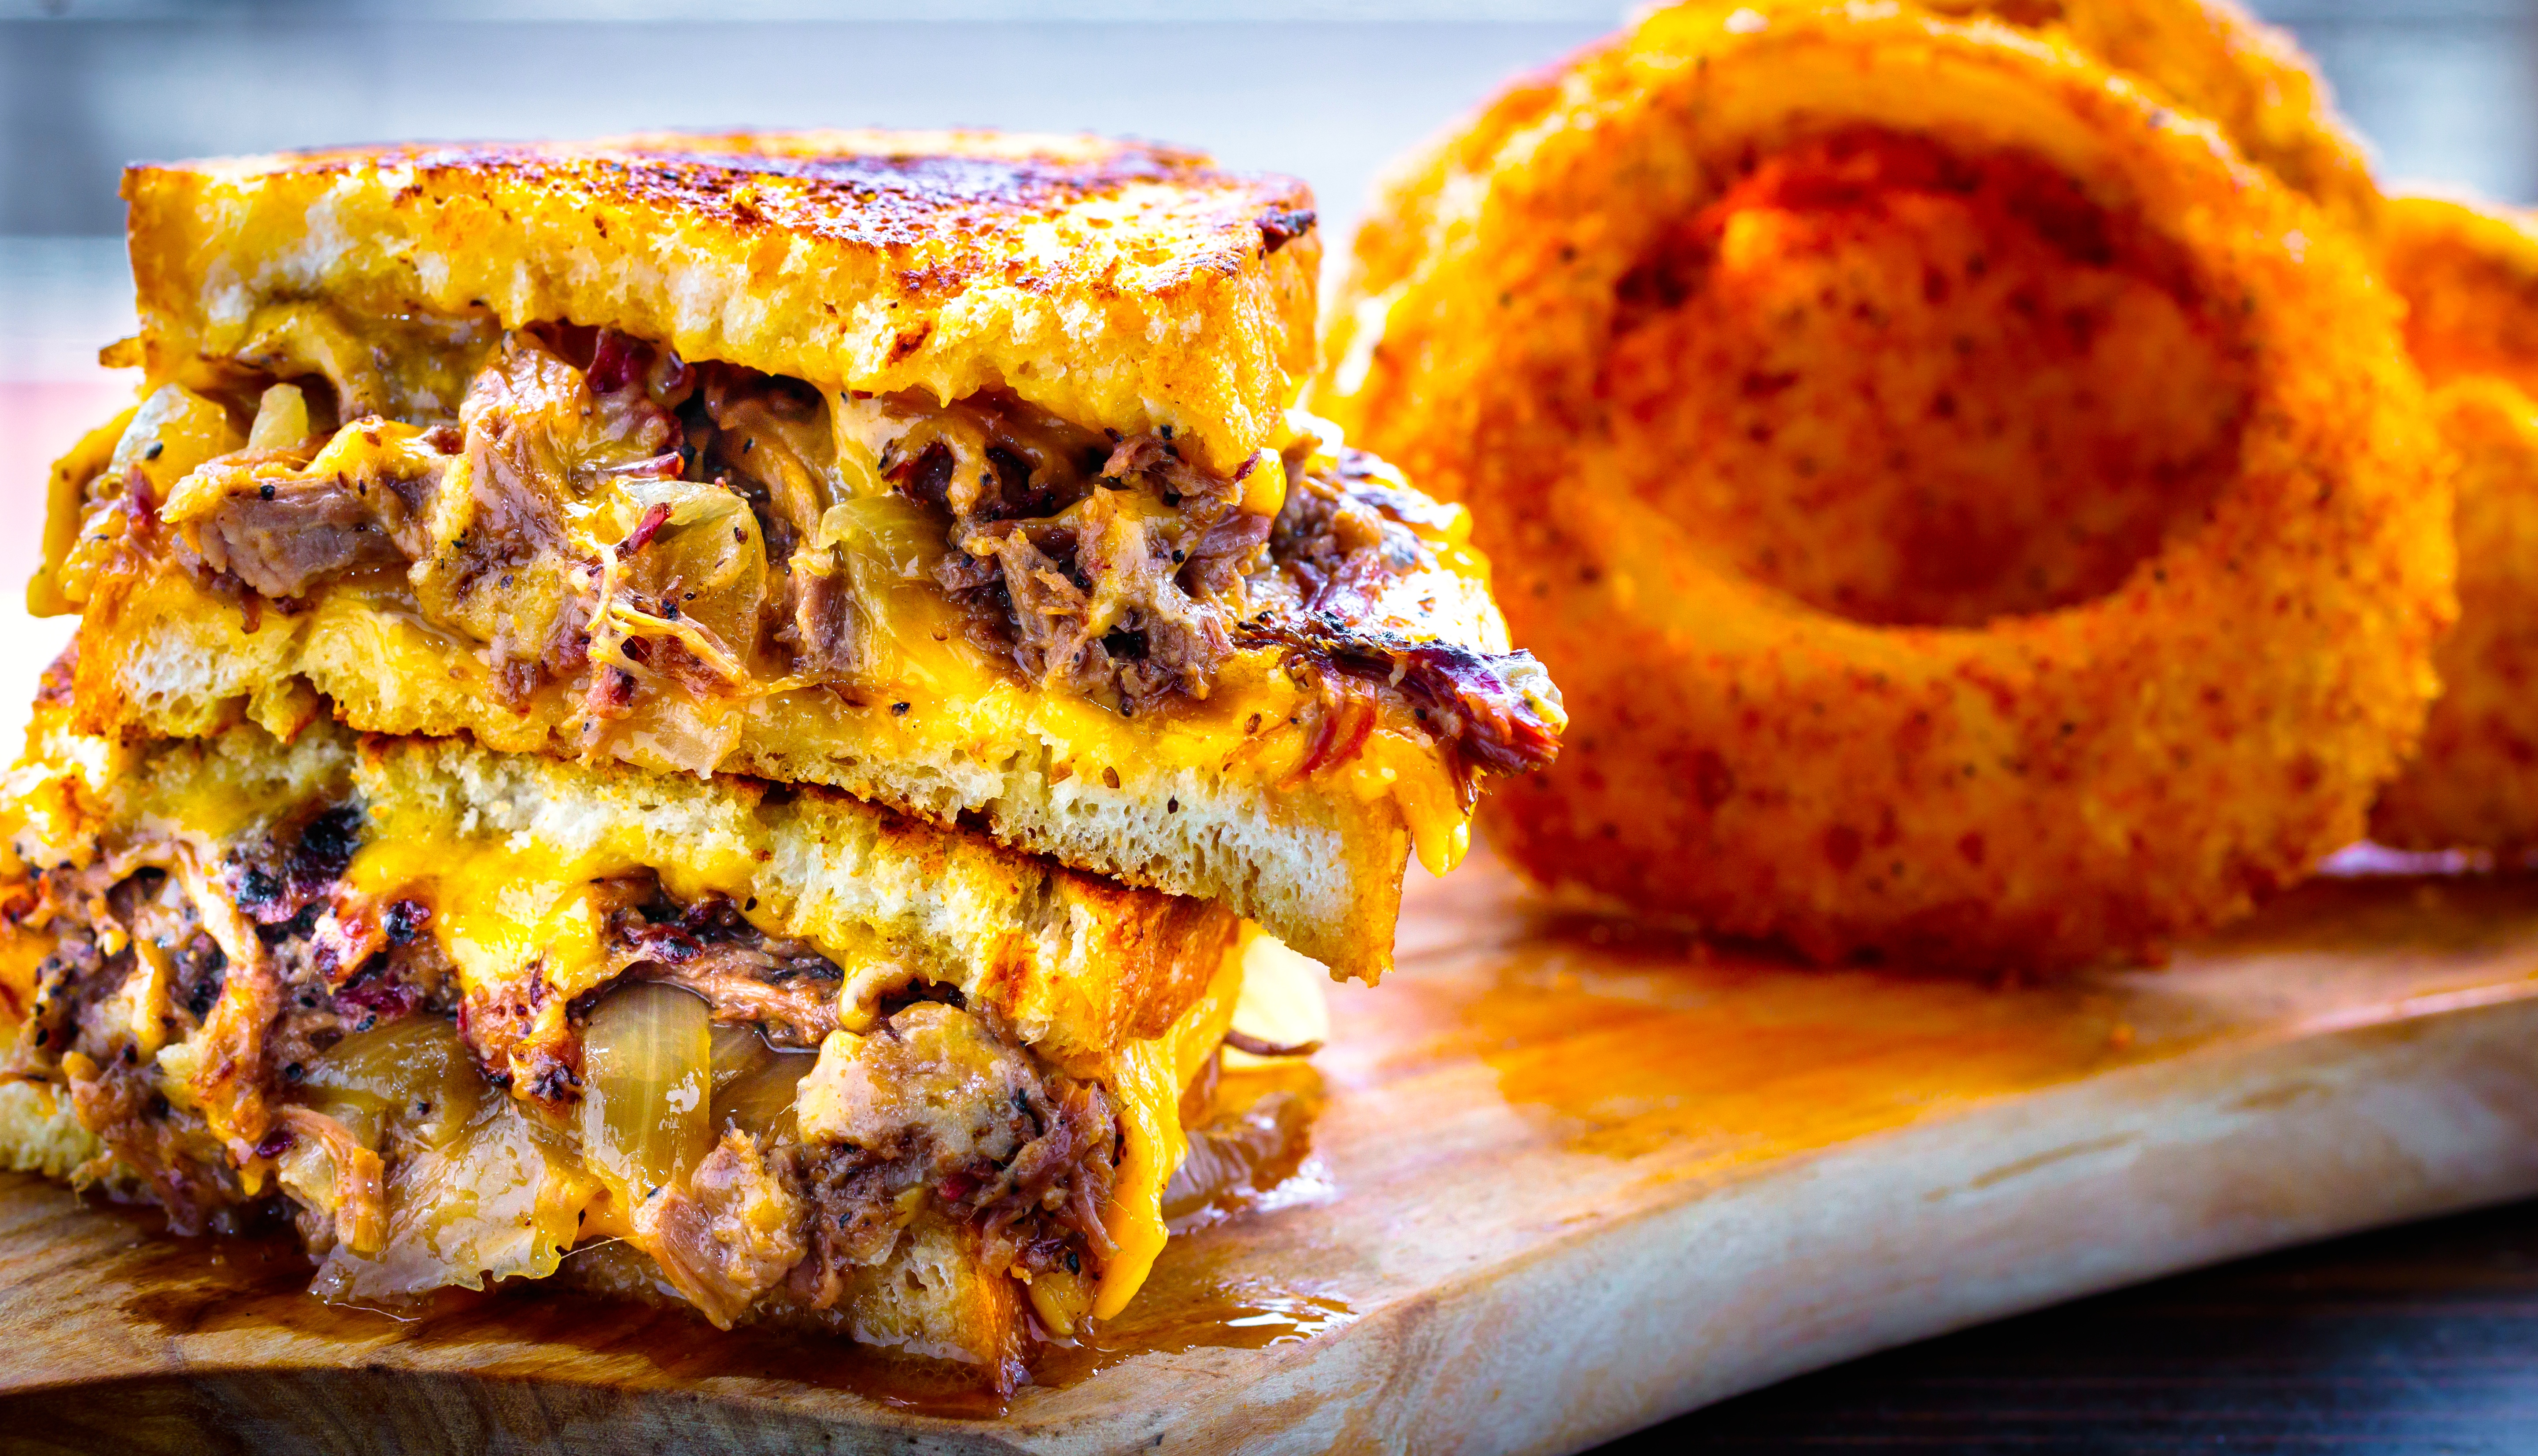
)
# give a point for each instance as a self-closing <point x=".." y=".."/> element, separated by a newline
<point x="1148" y="1083"/>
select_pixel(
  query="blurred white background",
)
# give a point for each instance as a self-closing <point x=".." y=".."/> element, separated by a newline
<point x="2445" y="90"/>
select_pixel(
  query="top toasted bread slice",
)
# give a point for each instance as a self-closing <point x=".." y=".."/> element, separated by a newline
<point x="1119" y="285"/>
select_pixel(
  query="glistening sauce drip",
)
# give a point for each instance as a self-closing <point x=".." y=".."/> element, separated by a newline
<point x="187" y="1287"/>
<point x="1250" y="1158"/>
<point x="1181" y="1310"/>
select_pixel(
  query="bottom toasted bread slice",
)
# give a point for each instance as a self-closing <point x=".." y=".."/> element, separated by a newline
<point x="458" y="1013"/>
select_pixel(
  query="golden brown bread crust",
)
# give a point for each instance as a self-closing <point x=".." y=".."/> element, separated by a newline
<point x="1167" y="293"/>
<point x="1120" y="286"/>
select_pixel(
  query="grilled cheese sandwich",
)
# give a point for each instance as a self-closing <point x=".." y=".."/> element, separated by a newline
<point x="951" y="470"/>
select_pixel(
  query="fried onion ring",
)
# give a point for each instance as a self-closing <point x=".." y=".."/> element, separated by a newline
<point x="2471" y="280"/>
<point x="2213" y="59"/>
<point x="1975" y="517"/>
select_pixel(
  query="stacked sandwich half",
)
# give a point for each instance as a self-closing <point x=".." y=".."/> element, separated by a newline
<point x="737" y="703"/>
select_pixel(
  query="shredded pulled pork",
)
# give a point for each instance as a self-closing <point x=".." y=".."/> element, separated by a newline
<point x="785" y="987"/>
<point x="279" y="538"/>
<point x="603" y="515"/>
<point x="1493" y="712"/>
<point x="134" y="967"/>
<point x="1116" y="582"/>
<point x="1341" y="538"/>
<point x="735" y="1229"/>
<point x="936" y="1103"/>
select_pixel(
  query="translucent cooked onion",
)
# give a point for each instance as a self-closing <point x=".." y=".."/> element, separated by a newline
<point x="762" y="1105"/>
<point x="476" y="1192"/>
<point x="738" y="1050"/>
<point x="413" y="1070"/>
<point x="709" y="548"/>
<point x="888" y="537"/>
<point x="880" y="551"/>
<point x="756" y="1097"/>
<point x="645" y="1061"/>
<point x="175" y="430"/>
<point x="281" y="419"/>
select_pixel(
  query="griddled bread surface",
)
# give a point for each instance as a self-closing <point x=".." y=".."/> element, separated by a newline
<point x="1117" y="284"/>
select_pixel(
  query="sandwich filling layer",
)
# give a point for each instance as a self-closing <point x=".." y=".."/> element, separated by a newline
<point x="637" y="549"/>
<point x="435" y="1008"/>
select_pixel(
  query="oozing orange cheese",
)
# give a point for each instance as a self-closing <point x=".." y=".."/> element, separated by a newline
<point x="1147" y="1085"/>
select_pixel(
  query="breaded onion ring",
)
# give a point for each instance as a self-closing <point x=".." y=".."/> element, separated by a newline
<point x="1973" y="515"/>
<point x="2471" y="280"/>
<point x="2216" y="61"/>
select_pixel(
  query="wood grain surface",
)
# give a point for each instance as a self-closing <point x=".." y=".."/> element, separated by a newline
<point x="1564" y="1185"/>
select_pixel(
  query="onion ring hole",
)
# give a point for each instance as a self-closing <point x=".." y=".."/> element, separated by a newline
<point x="1910" y="387"/>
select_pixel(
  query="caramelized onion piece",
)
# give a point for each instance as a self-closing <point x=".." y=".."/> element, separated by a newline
<point x="754" y="1085"/>
<point x="737" y="1051"/>
<point x="646" y="1058"/>
<point x="353" y="1180"/>
<point x="413" y="1070"/>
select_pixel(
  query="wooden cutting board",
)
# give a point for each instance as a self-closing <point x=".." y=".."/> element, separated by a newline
<point x="1563" y="1185"/>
